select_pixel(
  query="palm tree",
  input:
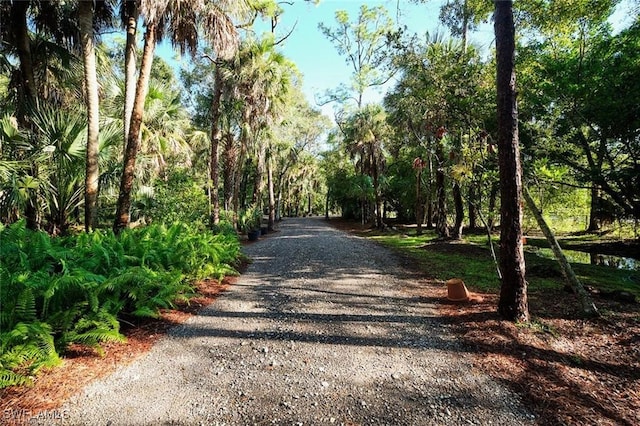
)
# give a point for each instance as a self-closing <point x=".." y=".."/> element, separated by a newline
<point x="252" y="87"/>
<point x="19" y="34"/>
<point x="85" y="18"/>
<point x="364" y="134"/>
<point x="164" y="131"/>
<point x="181" y="19"/>
<point x="129" y="12"/>
<point x="271" y="86"/>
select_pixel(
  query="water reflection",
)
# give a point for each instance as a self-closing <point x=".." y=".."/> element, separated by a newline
<point x="574" y="256"/>
<point x="614" y="261"/>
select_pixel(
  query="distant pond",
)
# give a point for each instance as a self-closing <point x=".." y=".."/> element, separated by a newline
<point x="575" y="256"/>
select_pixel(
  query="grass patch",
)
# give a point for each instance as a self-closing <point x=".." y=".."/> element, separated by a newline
<point x="445" y="260"/>
<point x="470" y="260"/>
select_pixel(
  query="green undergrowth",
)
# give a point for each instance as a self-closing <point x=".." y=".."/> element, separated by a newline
<point x="56" y="292"/>
<point x="471" y="260"/>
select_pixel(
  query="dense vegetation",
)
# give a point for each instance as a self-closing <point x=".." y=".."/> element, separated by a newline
<point x="106" y="153"/>
<point x="78" y="289"/>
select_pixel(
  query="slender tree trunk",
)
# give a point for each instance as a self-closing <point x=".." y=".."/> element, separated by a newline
<point x="429" y="203"/>
<point x="20" y="32"/>
<point x="378" y="199"/>
<point x="471" y="206"/>
<point x="465" y="26"/>
<point x="459" y="208"/>
<point x="133" y="140"/>
<point x="587" y="305"/>
<point x="272" y="195"/>
<point x="595" y="211"/>
<point x="428" y="219"/>
<point x="513" y="304"/>
<point x="280" y="206"/>
<point x="419" y="207"/>
<point x="493" y="195"/>
<point x="230" y="159"/>
<point x="442" y="228"/>
<point x="85" y="16"/>
<point x="129" y="66"/>
<point x="259" y="183"/>
<point x="215" y="143"/>
<point x="326" y="204"/>
<point x="239" y="183"/>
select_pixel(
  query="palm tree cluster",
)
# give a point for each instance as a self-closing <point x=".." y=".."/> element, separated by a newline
<point x="92" y="122"/>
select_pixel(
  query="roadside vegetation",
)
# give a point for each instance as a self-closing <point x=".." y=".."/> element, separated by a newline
<point x="57" y="292"/>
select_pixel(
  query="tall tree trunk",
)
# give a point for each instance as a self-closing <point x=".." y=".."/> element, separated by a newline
<point x="493" y="195"/>
<point x="419" y="206"/>
<point x="465" y="25"/>
<point x="458" y="204"/>
<point x="85" y="16"/>
<point x="326" y="204"/>
<point x="595" y="212"/>
<point x="216" y="135"/>
<point x="586" y="304"/>
<point x="129" y="66"/>
<point x="272" y="195"/>
<point x="428" y="220"/>
<point x="513" y="304"/>
<point x="280" y="206"/>
<point x="239" y="182"/>
<point x="378" y="198"/>
<point x="20" y="32"/>
<point x="471" y="206"/>
<point x="133" y="139"/>
<point x="442" y="228"/>
<point x="230" y="160"/>
<point x="259" y="183"/>
<point x="29" y="92"/>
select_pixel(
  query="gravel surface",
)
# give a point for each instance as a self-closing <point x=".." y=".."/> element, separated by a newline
<point x="317" y="331"/>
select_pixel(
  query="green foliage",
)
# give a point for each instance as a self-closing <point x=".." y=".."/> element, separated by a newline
<point x="250" y="219"/>
<point x="580" y="90"/>
<point x="24" y="349"/>
<point x="362" y="43"/>
<point x="178" y="198"/>
<point x="61" y="291"/>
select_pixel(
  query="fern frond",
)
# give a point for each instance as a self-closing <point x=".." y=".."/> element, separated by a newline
<point x="9" y="378"/>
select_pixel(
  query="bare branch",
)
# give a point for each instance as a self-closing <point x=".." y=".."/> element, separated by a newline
<point x="287" y="36"/>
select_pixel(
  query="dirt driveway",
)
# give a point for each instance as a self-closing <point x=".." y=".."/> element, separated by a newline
<point x="317" y="331"/>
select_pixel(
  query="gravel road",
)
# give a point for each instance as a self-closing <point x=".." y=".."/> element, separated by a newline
<point x="317" y="331"/>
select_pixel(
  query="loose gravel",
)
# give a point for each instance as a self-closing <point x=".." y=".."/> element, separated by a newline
<point x="317" y="331"/>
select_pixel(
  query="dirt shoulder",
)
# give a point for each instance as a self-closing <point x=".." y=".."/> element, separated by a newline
<point x="52" y="387"/>
<point x="568" y="370"/>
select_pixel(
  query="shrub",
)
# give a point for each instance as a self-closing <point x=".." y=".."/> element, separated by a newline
<point x="61" y="291"/>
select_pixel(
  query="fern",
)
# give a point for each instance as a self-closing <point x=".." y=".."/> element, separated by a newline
<point x="93" y="330"/>
<point x="10" y="378"/>
<point x="24" y="350"/>
<point x="61" y="291"/>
